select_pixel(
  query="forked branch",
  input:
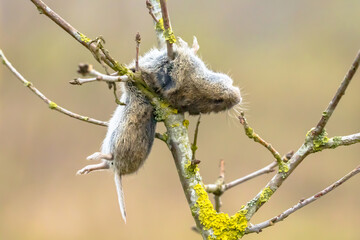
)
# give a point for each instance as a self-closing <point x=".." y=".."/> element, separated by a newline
<point x="336" y="99"/>
<point x="302" y="203"/>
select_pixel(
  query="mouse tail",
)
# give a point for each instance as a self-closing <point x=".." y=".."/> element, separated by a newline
<point x="120" y="195"/>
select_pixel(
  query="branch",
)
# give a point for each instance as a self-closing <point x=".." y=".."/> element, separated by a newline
<point x="302" y="203"/>
<point x="155" y="12"/>
<point x="219" y="182"/>
<point x="96" y="48"/>
<point x="51" y="104"/>
<point x="137" y="40"/>
<point x="194" y="144"/>
<point x="268" y="169"/>
<point x="80" y="37"/>
<point x="334" y="102"/>
<point x="168" y="33"/>
<point x="252" y="135"/>
<point x="335" y="142"/>
<point x="87" y="69"/>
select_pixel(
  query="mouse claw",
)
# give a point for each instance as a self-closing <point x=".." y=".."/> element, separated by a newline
<point x="93" y="167"/>
<point x="99" y="156"/>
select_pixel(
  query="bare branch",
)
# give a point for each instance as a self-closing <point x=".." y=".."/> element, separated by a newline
<point x="168" y="33"/>
<point x="86" y="69"/>
<point x="155" y="12"/>
<point x="258" y="227"/>
<point x="219" y="183"/>
<point x="137" y="40"/>
<point x="95" y="46"/>
<point x="194" y="144"/>
<point x="162" y="137"/>
<point x="150" y="7"/>
<point x="268" y="169"/>
<point x="51" y="104"/>
<point x="339" y="93"/>
<point x="335" y="142"/>
<point x="251" y="134"/>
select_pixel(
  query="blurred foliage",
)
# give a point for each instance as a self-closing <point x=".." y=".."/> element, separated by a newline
<point x="287" y="56"/>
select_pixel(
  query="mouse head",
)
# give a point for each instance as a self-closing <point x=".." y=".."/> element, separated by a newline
<point x="186" y="82"/>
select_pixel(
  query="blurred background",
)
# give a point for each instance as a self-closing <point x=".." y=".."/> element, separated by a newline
<point x="288" y="57"/>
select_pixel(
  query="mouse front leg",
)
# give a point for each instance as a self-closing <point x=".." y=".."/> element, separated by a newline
<point x="100" y="166"/>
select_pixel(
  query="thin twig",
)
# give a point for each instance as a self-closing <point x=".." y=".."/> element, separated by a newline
<point x="151" y="7"/>
<point x="162" y="137"/>
<point x="194" y="145"/>
<point x="169" y="35"/>
<point x="158" y="21"/>
<point x="339" y="93"/>
<point x="220" y="182"/>
<point x="268" y="169"/>
<point x="81" y="38"/>
<point x="335" y="142"/>
<point x="87" y="69"/>
<point x="258" y="227"/>
<point x="251" y="134"/>
<point x="137" y="40"/>
<point x="50" y="103"/>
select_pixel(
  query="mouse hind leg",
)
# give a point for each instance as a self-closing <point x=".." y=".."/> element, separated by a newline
<point x="100" y="166"/>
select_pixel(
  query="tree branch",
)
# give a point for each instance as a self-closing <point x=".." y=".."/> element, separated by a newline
<point x="339" y="93"/>
<point x="51" y="104"/>
<point x="252" y="135"/>
<point x="268" y="169"/>
<point x="155" y="12"/>
<point x="168" y="33"/>
<point x="335" y="142"/>
<point x="302" y="203"/>
<point x="87" y="69"/>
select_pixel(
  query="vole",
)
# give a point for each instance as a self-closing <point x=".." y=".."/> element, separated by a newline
<point x="185" y="82"/>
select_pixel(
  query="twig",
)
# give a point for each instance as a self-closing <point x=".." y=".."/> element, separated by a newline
<point x="93" y="45"/>
<point x="81" y="38"/>
<point x="51" y="104"/>
<point x="268" y="169"/>
<point x="220" y="183"/>
<point x="335" y="142"/>
<point x="162" y="137"/>
<point x="168" y="33"/>
<point x="151" y="7"/>
<point x="251" y="134"/>
<point x="194" y="145"/>
<point x="339" y="93"/>
<point x="258" y="227"/>
<point x="137" y="40"/>
<point x="87" y="69"/>
<point x="158" y="21"/>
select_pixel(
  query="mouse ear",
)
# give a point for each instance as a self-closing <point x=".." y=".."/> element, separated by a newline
<point x="195" y="46"/>
<point x="182" y="43"/>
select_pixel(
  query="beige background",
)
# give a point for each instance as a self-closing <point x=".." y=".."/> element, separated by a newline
<point x="287" y="56"/>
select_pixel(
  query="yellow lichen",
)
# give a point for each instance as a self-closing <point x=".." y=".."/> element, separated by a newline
<point x="27" y="84"/>
<point x="84" y="38"/>
<point x="191" y="169"/>
<point x="160" y="25"/>
<point x="222" y="226"/>
<point x="186" y="123"/>
<point x="265" y="196"/>
<point x="52" y="105"/>
<point x="169" y="35"/>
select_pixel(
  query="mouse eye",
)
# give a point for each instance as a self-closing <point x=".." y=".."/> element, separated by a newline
<point x="218" y="101"/>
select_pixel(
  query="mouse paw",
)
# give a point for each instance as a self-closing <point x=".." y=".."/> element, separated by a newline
<point x="99" y="156"/>
<point x="93" y="167"/>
